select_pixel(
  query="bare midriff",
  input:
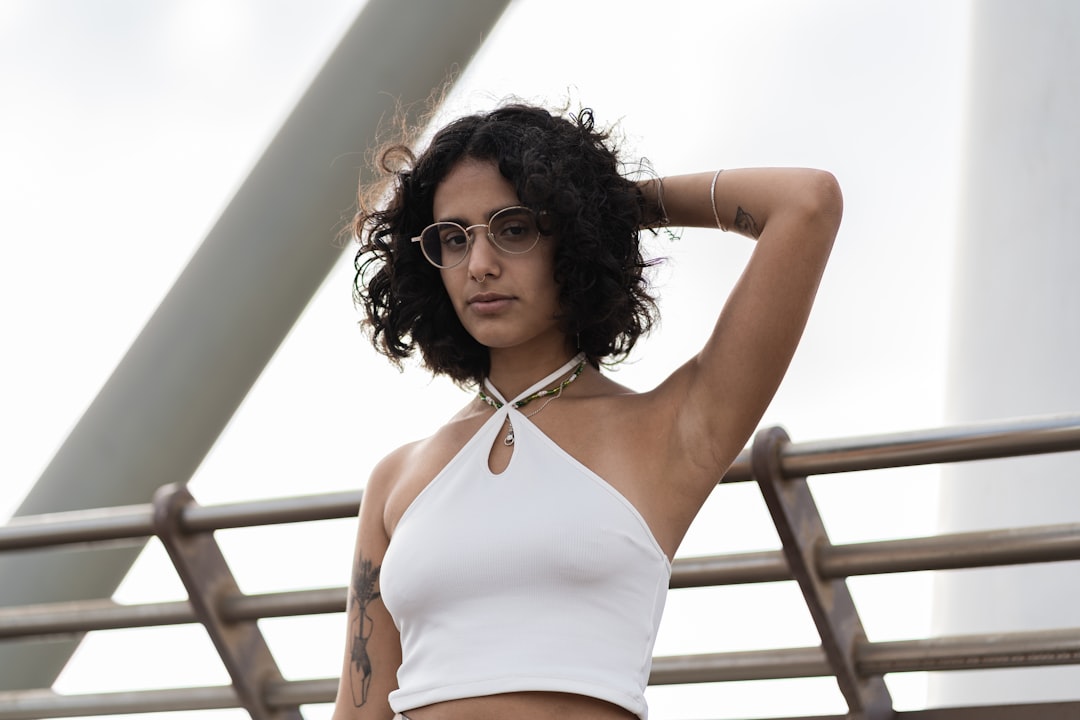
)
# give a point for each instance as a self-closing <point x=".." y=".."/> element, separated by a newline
<point x="523" y="706"/>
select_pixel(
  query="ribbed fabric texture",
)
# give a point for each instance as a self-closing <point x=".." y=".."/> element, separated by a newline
<point x="540" y="578"/>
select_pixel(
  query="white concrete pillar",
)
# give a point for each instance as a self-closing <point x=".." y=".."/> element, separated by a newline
<point x="191" y="366"/>
<point x="1015" y="338"/>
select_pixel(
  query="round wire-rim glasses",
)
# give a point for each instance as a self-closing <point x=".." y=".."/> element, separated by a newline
<point x="446" y="244"/>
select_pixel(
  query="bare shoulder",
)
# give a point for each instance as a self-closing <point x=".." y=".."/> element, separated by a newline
<point x="390" y="470"/>
<point x="404" y="473"/>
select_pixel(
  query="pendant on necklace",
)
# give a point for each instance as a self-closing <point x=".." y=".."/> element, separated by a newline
<point x="551" y="394"/>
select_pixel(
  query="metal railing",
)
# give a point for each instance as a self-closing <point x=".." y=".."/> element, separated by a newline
<point x="779" y="466"/>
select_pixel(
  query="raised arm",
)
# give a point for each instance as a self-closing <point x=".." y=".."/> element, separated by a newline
<point x="719" y="396"/>
<point x="372" y="645"/>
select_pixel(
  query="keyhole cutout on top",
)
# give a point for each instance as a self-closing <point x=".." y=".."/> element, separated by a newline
<point x="500" y="453"/>
<point x="502" y="448"/>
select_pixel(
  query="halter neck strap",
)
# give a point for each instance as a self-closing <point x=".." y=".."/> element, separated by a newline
<point x="570" y="365"/>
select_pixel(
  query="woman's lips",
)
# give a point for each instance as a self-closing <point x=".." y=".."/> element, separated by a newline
<point x="489" y="303"/>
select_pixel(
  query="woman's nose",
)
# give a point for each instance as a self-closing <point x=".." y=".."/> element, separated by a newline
<point x="483" y="257"/>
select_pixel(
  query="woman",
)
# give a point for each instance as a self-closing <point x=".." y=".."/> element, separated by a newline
<point x="514" y="565"/>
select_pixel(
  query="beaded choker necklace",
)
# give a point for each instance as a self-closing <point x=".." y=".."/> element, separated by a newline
<point x="552" y="393"/>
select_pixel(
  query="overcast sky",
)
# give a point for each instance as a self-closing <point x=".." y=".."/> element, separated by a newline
<point x="127" y="125"/>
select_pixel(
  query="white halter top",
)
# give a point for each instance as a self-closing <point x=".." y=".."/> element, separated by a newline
<point x="540" y="578"/>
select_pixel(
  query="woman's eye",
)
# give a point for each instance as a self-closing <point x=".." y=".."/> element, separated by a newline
<point x="454" y="240"/>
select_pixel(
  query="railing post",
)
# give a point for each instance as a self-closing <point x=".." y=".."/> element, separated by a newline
<point x="208" y="580"/>
<point x="802" y="533"/>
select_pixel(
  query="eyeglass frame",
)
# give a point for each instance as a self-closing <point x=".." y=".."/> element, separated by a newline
<point x="469" y="236"/>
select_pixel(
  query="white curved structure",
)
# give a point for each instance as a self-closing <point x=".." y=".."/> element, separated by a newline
<point x="1015" y="342"/>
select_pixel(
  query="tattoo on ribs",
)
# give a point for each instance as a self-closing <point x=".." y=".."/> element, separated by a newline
<point x="363" y="593"/>
<point x="744" y="223"/>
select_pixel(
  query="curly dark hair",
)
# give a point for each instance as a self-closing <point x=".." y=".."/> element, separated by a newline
<point x="566" y="171"/>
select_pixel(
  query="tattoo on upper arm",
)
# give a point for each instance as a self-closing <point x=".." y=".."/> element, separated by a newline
<point x="363" y="594"/>
<point x="744" y="223"/>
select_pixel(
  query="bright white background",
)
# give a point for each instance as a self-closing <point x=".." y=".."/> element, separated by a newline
<point x="127" y="125"/>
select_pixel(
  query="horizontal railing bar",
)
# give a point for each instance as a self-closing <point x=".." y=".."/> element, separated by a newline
<point x="731" y="569"/>
<point x="136" y="521"/>
<point x="34" y="704"/>
<point x="284" y="604"/>
<point x="953" y="444"/>
<point x="941" y="552"/>
<point x="77" y="526"/>
<point x="302" y="508"/>
<point x="88" y="615"/>
<point x="1013" y="546"/>
<point x="737" y="666"/>
<point x="972" y="652"/>
<point x="983" y="441"/>
<point x="300" y="692"/>
<point x="1051" y="647"/>
<point x="740" y="470"/>
<point x="1068" y="710"/>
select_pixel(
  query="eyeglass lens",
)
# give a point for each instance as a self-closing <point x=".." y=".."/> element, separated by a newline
<point x="512" y="230"/>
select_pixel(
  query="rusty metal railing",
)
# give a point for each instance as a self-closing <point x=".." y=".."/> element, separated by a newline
<point x="779" y="466"/>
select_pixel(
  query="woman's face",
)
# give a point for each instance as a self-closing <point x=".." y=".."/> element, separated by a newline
<point x="503" y="300"/>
